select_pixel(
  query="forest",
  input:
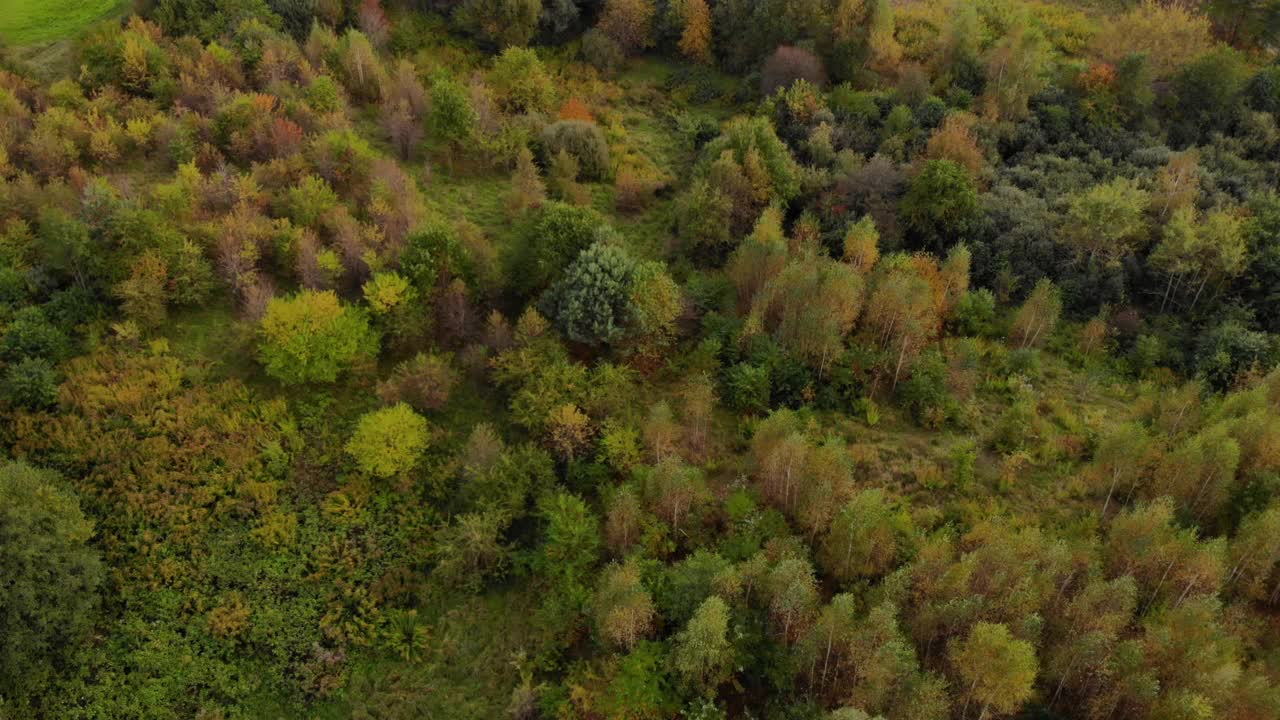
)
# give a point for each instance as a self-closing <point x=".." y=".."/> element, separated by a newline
<point x="640" y="359"/>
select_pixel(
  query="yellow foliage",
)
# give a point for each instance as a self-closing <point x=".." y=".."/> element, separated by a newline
<point x="1170" y="36"/>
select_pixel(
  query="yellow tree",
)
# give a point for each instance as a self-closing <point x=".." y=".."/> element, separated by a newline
<point x="695" y="40"/>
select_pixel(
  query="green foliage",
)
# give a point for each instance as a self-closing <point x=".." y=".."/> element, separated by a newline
<point x="388" y="442"/>
<point x="591" y="303"/>
<point x="548" y="240"/>
<point x="312" y="338"/>
<point x="51" y="579"/>
<point x="31" y="383"/>
<point x="583" y="141"/>
<point x="744" y="137"/>
<point x="520" y="82"/>
<point x="500" y="22"/>
<point x="941" y="206"/>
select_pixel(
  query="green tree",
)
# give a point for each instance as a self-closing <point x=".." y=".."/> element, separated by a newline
<point x="388" y="442"/>
<point x="547" y="241"/>
<point x="591" y="303"/>
<point x="311" y="337"/>
<point x="703" y="654"/>
<point x="1107" y="220"/>
<point x="623" y="608"/>
<point x="1034" y="322"/>
<point x="452" y="118"/>
<point x="941" y="206"/>
<point x="520" y="82"/>
<point x="51" y="577"/>
<point x="500" y="22"/>
<point x="996" y="670"/>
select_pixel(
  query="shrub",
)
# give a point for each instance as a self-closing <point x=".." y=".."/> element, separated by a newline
<point x="581" y="139"/>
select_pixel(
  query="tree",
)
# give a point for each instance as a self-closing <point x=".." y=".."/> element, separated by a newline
<point x="591" y="303"/>
<point x="867" y="538"/>
<point x="1199" y="473"/>
<point x="30" y="383"/>
<point x="1197" y="252"/>
<point x="1015" y="71"/>
<point x="500" y="22"/>
<point x="527" y="188"/>
<point x="568" y="431"/>
<point x="520" y="82"/>
<point x="883" y="51"/>
<point x="548" y="240"/>
<point x="311" y="338"/>
<point x="1119" y="463"/>
<point x="1107" y="220"/>
<point x="1255" y="553"/>
<point x="623" y="609"/>
<point x="759" y="259"/>
<point x="861" y="245"/>
<point x="941" y="206"/>
<point x="569" y="550"/>
<point x="51" y="577"/>
<point x="388" y="442"/>
<point x="674" y="491"/>
<point x="809" y="307"/>
<point x="622" y="519"/>
<point x="695" y="37"/>
<point x="703" y="655"/>
<point x="144" y="295"/>
<point x="1036" y="319"/>
<point x="792" y="592"/>
<point x="901" y="314"/>
<point x="452" y="118"/>
<point x="954" y="140"/>
<point x="996" y="670"/>
<point x="629" y="23"/>
<point x="424" y="382"/>
<point x="584" y="141"/>
<point x="1168" y="34"/>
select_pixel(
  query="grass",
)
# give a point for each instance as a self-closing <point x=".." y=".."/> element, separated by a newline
<point x="39" y="22"/>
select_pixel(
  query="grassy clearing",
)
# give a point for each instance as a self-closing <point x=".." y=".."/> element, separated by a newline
<point x="37" y="22"/>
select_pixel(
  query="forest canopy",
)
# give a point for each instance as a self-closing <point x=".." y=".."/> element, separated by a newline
<point x="640" y="359"/>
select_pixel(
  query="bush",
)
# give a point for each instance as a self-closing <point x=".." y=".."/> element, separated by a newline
<point x="975" y="313"/>
<point x="925" y="394"/>
<point x="581" y="139"/>
<point x="788" y="64"/>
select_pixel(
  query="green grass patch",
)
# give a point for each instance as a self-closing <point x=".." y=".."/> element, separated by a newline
<point x="35" y="22"/>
